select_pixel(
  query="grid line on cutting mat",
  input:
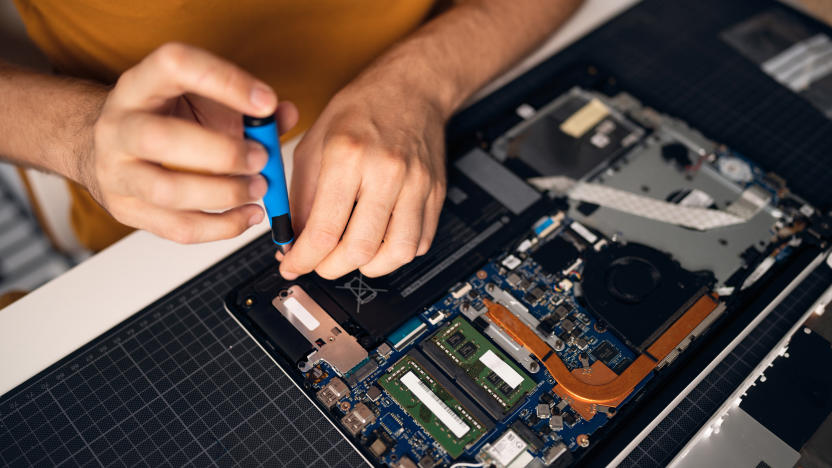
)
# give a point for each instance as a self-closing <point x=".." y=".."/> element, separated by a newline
<point x="178" y="383"/>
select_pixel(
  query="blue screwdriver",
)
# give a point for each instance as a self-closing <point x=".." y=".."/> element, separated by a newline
<point x="264" y="131"/>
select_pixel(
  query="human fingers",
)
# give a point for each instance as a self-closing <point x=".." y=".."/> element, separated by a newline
<point x="181" y="190"/>
<point x="338" y="183"/>
<point x="381" y="184"/>
<point x="404" y="231"/>
<point x="188" y="227"/>
<point x="306" y="169"/>
<point x="287" y="116"/>
<point x="175" y="69"/>
<point x="430" y="221"/>
<point x="178" y="143"/>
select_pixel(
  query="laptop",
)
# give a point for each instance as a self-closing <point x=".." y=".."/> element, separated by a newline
<point x="590" y="248"/>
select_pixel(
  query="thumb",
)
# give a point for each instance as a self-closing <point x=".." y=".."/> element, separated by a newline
<point x="305" y="170"/>
<point x="175" y="69"/>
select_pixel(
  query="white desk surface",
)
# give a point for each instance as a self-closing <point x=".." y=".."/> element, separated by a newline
<point x="93" y="297"/>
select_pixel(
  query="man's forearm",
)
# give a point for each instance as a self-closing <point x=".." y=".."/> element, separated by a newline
<point x="459" y="51"/>
<point x="47" y="121"/>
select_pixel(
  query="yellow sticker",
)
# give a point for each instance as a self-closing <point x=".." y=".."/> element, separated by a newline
<point x="589" y="115"/>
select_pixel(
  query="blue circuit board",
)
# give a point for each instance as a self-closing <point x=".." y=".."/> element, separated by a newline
<point x="411" y="440"/>
<point x="406" y="438"/>
<point x="537" y="277"/>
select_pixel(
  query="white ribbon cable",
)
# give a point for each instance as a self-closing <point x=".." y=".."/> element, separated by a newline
<point x="701" y="219"/>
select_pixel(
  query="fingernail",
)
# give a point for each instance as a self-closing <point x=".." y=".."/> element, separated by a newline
<point x="258" y="187"/>
<point x="256" y="218"/>
<point x="262" y="97"/>
<point x="257" y="156"/>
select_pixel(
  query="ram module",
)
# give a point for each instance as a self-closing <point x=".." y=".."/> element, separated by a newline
<point x="432" y="405"/>
<point x="481" y="361"/>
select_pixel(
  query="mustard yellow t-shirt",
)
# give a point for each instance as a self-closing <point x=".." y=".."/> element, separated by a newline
<point x="305" y="49"/>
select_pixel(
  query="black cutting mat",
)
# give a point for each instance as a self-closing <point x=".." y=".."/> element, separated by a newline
<point x="186" y="386"/>
<point x="672" y="433"/>
<point x="179" y="383"/>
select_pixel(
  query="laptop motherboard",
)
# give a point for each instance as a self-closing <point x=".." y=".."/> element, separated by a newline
<point x="580" y="256"/>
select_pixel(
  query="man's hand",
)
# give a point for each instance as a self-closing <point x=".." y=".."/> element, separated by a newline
<point x="368" y="179"/>
<point x="169" y="144"/>
<point x="369" y="176"/>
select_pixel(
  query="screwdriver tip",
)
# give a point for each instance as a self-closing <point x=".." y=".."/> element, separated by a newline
<point x="284" y="248"/>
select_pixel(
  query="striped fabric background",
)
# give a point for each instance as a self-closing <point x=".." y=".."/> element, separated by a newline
<point x="27" y="258"/>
